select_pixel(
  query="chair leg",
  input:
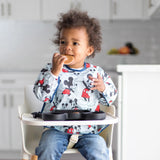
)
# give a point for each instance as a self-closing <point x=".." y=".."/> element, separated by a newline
<point x="34" y="157"/>
<point x="110" y="154"/>
<point x="25" y="156"/>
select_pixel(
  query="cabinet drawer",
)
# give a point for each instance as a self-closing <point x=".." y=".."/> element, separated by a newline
<point x="16" y="80"/>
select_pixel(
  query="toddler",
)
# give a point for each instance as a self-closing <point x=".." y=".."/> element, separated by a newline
<point x="76" y="86"/>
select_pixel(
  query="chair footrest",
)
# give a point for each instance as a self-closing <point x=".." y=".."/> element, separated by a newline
<point x="34" y="157"/>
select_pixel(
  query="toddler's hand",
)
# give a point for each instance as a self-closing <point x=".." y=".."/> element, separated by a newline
<point x="57" y="63"/>
<point x="98" y="83"/>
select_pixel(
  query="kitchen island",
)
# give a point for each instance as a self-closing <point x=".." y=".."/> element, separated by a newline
<point x="138" y="112"/>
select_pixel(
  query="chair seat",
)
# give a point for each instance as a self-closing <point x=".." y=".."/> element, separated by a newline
<point x="72" y="150"/>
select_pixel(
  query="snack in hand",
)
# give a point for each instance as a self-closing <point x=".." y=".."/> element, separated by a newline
<point x="69" y="59"/>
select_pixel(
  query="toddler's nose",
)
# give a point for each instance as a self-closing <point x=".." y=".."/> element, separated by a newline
<point x="68" y="47"/>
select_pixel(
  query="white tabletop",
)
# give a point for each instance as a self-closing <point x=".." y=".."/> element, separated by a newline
<point x="29" y="120"/>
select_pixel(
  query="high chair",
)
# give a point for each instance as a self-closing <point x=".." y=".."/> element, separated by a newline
<point x="31" y="134"/>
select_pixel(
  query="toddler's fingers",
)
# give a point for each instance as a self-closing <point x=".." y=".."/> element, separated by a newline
<point x="99" y="76"/>
<point x="56" y="54"/>
<point x="93" y="88"/>
<point x="90" y="77"/>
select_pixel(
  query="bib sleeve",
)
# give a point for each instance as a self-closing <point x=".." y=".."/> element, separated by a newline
<point x="108" y="96"/>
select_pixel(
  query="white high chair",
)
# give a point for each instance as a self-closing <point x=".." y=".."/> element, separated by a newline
<point x="31" y="134"/>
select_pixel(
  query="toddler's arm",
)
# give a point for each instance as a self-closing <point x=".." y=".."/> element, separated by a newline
<point x="46" y="84"/>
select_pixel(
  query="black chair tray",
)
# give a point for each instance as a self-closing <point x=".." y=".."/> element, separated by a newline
<point x="62" y="115"/>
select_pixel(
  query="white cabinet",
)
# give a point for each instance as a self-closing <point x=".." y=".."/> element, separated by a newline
<point x="96" y="8"/>
<point x="4" y="121"/>
<point x="10" y="129"/>
<point x="11" y="95"/>
<point x="154" y="8"/>
<point x="101" y="9"/>
<point x="129" y="9"/>
<point x="138" y="112"/>
<point x="16" y="98"/>
<point x="52" y="8"/>
<point x="20" y="9"/>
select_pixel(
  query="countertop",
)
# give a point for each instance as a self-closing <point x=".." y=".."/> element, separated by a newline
<point x="138" y="68"/>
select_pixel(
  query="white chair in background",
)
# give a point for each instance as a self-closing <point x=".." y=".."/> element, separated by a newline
<point x="31" y="134"/>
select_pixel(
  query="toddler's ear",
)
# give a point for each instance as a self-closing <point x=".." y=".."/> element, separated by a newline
<point x="90" y="50"/>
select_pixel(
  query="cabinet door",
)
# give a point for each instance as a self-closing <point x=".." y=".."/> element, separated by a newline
<point x="16" y="98"/>
<point x="128" y="9"/>
<point x="20" y="9"/>
<point x="139" y="116"/>
<point x="4" y="121"/>
<point x="52" y="8"/>
<point x="96" y="8"/>
<point x="3" y="9"/>
<point x="153" y="8"/>
<point x="25" y="9"/>
<point x="100" y="9"/>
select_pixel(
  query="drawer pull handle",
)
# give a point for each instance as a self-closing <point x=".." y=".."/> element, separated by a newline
<point x="4" y="101"/>
<point x="8" y="81"/>
<point x="11" y="100"/>
<point x="2" y="9"/>
<point x="9" y="9"/>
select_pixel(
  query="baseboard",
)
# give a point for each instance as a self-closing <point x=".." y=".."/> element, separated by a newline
<point x="75" y="156"/>
<point x="7" y="154"/>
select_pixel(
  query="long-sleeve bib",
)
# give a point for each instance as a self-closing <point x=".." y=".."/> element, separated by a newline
<point x="71" y="91"/>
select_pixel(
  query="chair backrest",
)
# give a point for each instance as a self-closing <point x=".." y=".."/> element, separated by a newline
<point x="31" y="102"/>
<point x="30" y="134"/>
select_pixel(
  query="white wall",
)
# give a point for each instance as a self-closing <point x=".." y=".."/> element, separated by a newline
<point x="26" y="46"/>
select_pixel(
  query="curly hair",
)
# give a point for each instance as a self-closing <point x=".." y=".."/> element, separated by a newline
<point x="74" y="18"/>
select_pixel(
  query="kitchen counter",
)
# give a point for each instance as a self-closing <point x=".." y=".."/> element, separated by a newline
<point x="138" y="68"/>
<point x="138" y="112"/>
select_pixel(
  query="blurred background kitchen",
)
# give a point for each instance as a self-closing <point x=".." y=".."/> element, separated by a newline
<point x="26" y="33"/>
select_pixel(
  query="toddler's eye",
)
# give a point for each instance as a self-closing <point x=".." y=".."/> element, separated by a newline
<point x="75" y="43"/>
<point x="62" y="42"/>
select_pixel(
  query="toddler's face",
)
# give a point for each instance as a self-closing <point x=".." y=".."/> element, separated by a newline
<point x="74" y="41"/>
